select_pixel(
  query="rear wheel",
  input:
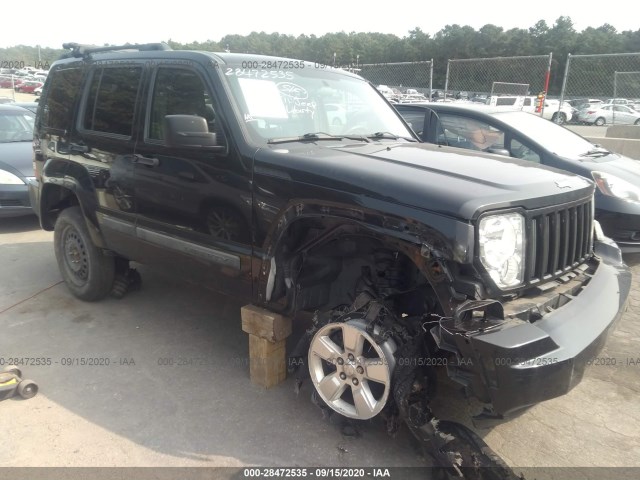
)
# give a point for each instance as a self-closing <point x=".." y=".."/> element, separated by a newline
<point x="637" y="122"/>
<point x="87" y="272"/>
<point x="600" y="121"/>
<point x="559" y="118"/>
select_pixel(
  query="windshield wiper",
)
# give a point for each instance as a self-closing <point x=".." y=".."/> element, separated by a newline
<point x="389" y="136"/>
<point x="595" y="153"/>
<point x="312" y="137"/>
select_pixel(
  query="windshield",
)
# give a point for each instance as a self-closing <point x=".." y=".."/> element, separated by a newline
<point x="551" y="136"/>
<point x="310" y="103"/>
<point x="16" y="126"/>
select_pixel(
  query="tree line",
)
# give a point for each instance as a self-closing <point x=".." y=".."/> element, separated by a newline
<point x="452" y="42"/>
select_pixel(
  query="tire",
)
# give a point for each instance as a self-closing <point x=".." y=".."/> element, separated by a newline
<point x="88" y="273"/>
<point x="599" y="121"/>
<point x="27" y="389"/>
<point x="560" y="119"/>
<point x="637" y="122"/>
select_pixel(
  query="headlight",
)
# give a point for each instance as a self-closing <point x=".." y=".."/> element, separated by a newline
<point x="502" y="248"/>
<point x="616" y="187"/>
<point x="7" y="178"/>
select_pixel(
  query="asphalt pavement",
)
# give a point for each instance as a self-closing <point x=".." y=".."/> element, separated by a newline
<point x="161" y="378"/>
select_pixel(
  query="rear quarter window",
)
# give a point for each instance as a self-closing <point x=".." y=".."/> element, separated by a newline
<point x="61" y="98"/>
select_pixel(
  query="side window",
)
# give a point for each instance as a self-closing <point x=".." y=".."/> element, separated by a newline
<point x="112" y="99"/>
<point x="178" y="91"/>
<point x="470" y="133"/>
<point x="520" y="150"/>
<point x="61" y="95"/>
<point x="416" y="120"/>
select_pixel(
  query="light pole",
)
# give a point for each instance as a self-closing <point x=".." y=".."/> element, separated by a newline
<point x="357" y="60"/>
<point x="334" y="59"/>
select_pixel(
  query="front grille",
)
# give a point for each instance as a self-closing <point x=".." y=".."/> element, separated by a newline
<point x="558" y="240"/>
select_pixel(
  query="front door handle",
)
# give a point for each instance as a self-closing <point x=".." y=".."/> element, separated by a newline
<point x="149" y="161"/>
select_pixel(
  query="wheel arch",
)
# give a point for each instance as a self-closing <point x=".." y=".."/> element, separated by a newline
<point x="424" y="247"/>
<point x="54" y="198"/>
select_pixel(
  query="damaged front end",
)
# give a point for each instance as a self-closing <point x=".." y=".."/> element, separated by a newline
<point x="364" y="361"/>
<point x="535" y="347"/>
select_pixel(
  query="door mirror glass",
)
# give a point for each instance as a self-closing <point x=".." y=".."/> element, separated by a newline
<point x="188" y="131"/>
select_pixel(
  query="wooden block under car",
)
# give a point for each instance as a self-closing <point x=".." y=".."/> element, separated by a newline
<point x="267" y="361"/>
<point x="265" y="324"/>
<point x="267" y="346"/>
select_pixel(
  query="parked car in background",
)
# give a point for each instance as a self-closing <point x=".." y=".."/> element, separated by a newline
<point x="16" y="160"/>
<point x="38" y="91"/>
<point x="389" y="93"/>
<point x="617" y="101"/>
<point x="556" y="113"/>
<point x="28" y="86"/>
<point x="610" y="114"/>
<point x="336" y="114"/>
<point x="10" y="82"/>
<point x="523" y="136"/>
<point x="551" y="111"/>
<point x="411" y="95"/>
<point x="581" y="104"/>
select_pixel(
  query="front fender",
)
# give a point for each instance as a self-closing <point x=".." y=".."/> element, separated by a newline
<point x="429" y="240"/>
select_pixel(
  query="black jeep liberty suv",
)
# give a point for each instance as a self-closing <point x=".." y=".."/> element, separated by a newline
<point x="296" y="186"/>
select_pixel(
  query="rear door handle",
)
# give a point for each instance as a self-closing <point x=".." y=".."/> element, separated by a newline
<point x="149" y="161"/>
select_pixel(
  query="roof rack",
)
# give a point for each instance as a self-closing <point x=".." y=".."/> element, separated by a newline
<point x="80" y="50"/>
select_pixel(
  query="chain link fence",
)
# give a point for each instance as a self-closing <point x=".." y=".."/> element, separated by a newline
<point x="626" y="84"/>
<point x="403" y="82"/>
<point x="478" y="76"/>
<point x="603" y="88"/>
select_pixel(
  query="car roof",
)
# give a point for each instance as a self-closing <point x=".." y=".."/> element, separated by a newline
<point x="162" y="50"/>
<point x="462" y="107"/>
<point x="13" y="109"/>
<point x="27" y="105"/>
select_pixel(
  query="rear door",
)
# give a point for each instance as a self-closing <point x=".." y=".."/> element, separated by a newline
<point x="101" y="148"/>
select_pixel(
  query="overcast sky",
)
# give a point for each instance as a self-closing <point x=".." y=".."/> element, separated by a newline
<point x="50" y="23"/>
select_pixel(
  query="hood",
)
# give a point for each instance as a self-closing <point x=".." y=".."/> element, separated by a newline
<point x="615" y="164"/>
<point x="619" y="165"/>
<point x="17" y="158"/>
<point x="453" y="182"/>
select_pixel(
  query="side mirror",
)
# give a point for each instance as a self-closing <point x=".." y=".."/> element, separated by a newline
<point x="499" y="151"/>
<point x="190" y="131"/>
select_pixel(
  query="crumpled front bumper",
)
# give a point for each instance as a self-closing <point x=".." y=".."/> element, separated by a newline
<point x="523" y="363"/>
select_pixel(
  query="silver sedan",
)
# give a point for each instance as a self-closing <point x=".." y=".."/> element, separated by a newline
<point x="611" y="114"/>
